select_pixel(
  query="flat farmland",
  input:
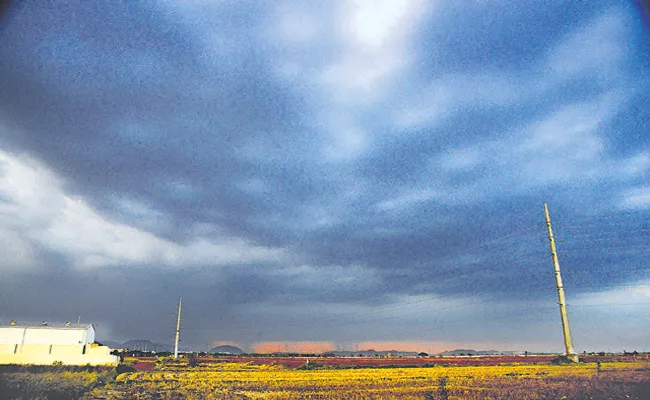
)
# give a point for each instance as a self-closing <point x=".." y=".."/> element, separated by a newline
<point x="623" y="379"/>
<point x="373" y="362"/>
<point x="344" y="378"/>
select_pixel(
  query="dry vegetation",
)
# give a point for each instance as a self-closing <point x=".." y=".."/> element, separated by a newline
<point x="51" y="383"/>
<point x="169" y="380"/>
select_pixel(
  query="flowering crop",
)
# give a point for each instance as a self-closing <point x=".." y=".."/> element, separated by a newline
<point x="250" y="381"/>
<point x="293" y="362"/>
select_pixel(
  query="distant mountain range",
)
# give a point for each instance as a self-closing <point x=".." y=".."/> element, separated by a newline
<point x="226" y="350"/>
<point x="397" y="353"/>
<point x="112" y="345"/>
<point x="470" y="352"/>
<point x="148" y="345"/>
<point x="139" y="345"/>
<point x="371" y="353"/>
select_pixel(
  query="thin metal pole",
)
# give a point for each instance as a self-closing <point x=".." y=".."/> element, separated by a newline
<point x="568" y="346"/>
<point x="178" y="328"/>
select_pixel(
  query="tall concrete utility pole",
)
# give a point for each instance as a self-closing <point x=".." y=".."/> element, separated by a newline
<point x="178" y="328"/>
<point x="568" y="346"/>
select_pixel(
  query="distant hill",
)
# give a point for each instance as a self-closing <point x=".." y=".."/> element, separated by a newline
<point x="146" y="345"/>
<point x="225" y="349"/>
<point x="112" y="345"/>
<point x="470" y="352"/>
<point x="371" y="353"/>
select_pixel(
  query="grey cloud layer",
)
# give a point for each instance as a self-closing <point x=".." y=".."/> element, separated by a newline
<point x="334" y="155"/>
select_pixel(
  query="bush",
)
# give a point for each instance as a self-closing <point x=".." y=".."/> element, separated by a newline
<point x="123" y="368"/>
<point x="51" y="382"/>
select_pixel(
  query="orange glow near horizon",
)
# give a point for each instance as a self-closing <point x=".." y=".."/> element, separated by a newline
<point x="321" y="347"/>
<point x="292" y="347"/>
<point x="317" y="347"/>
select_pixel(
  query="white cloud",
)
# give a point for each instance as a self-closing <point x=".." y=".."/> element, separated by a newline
<point x="17" y="253"/>
<point x="460" y="159"/>
<point x="427" y="107"/>
<point x="346" y="139"/>
<point x="636" y="199"/>
<point x="364" y="44"/>
<point x="563" y="145"/>
<point x="630" y="294"/>
<point x="596" y="47"/>
<point x="636" y="165"/>
<point x="373" y="37"/>
<point x="346" y="55"/>
<point x="35" y="212"/>
<point x="140" y="214"/>
<point x="296" y="25"/>
<point x="373" y="23"/>
<point x="355" y="79"/>
<point x="566" y="144"/>
<point x="408" y="199"/>
<point x="370" y="38"/>
<point x="446" y="94"/>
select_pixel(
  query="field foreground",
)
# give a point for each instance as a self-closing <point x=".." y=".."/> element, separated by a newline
<point x="227" y="380"/>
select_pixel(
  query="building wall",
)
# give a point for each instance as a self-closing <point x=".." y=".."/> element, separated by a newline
<point x="41" y="354"/>
<point x="11" y="335"/>
<point x="47" y="345"/>
<point x="46" y="335"/>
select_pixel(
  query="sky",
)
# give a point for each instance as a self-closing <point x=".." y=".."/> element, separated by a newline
<point x="328" y="175"/>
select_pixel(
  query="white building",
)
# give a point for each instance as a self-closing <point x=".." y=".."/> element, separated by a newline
<point x="45" y="343"/>
<point x="46" y="333"/>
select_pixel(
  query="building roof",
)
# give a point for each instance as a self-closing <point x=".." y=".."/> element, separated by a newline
<point x="50" y="325"/>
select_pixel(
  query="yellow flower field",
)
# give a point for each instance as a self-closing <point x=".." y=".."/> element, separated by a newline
<point x="237" y="381"/>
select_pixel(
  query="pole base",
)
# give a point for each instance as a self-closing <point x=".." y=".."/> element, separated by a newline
<point x="565" y="359"/>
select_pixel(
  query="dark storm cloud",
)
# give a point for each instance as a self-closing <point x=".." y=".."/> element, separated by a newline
<point x="256" y="157"/>
<point x="129" y="104"/>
